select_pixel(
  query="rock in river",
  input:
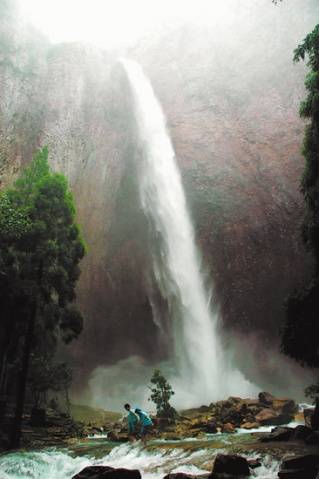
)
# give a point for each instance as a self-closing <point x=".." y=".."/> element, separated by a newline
<point x="106" y="472"/>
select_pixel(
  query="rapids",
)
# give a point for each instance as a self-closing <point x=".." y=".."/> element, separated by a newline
<point x="153" y="462"/>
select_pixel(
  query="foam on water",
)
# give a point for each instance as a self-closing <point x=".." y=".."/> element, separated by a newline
<point x="154" y="464"/>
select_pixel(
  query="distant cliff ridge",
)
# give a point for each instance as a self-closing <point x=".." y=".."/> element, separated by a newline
<point x="231" y="99"/>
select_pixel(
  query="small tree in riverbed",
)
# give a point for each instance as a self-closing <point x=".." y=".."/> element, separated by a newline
<point x="161" y="393"/>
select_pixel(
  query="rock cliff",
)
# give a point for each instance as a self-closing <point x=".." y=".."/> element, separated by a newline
<point x="231" y="97"/>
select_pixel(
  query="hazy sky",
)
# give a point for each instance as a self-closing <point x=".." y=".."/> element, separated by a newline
<point x="110" y="22"/>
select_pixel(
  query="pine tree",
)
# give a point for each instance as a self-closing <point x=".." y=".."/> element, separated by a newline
<point x="41" y="267"/>
<point x="161" y="393"/>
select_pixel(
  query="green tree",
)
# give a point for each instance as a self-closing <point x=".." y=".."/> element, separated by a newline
<point x="161" y="392"/>
<point x="301" y="331"/>
<point x="46" y="375"/>
<point x="41" y="266"/>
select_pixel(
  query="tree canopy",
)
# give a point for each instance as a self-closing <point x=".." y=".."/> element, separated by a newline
<point x="161" y="392"/>
<point x="301" y="331"/>
<point x="41" y="247"/>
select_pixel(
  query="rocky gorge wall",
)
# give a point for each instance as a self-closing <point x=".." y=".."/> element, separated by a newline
<point x="231" y="97"/>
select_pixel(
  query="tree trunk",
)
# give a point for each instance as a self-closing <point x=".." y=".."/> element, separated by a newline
<point x="22" y="382"/>
<point x="3" y="357"/>
<point x="67" y="400"/>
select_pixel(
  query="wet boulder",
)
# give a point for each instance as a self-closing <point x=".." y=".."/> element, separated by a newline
<point x="178" y="475"/>
<point x="267" y="417"/>
<point x="250" y="425"/>
<point x="312" y="439"/>
<point x="307" y="413"/>
<point x="300" y="467"/>
<point x="266" y="398"/>
<point x="92" y="472"/>
<point x="302" y="432"/>
<point x="270" y="417"/>
<point x="286" y="407"/>
<point x="228" y="428"/>
<point x="315" y="417"/>
<point x="254" y="463"/>
<point x="278" y="434"/>
<point x="184" y="475"/>
<point x="211" y="427"/>
<point x="106" y="472"/>
<point x="229" y="465"/>
<point x="117" y="436"/>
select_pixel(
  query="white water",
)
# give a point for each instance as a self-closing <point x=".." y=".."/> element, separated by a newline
<point x="199" y="359"/>
<point x="55" y="464"/>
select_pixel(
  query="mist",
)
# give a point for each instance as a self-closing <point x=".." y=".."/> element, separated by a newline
<point x="223" y="74"/>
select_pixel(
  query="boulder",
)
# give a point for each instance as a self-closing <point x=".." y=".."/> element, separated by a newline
<point x="92" y="472"/>
<point x="302" y="432"/>
<point x="250" y="425"/>
<point x="306" y="461"/>
<point x="266" y="398"/>
<point x="117" y="437"/>
<point x="184" y="475"/>
<point x="267" y="417"/>
<point x="297" y="474"/>
<point x="231" y="464"/>
<point x="278" y="434"/>
<point x="300" y="467"/>
<point x="313" y="438"/>
<point x="228" y="428"/>
<point x="315" y="417"/>
<point x="308" y="413"/>
<point x="211" y="427"/>
<point x="270" y="417"/>
<point x="178" y="475"/>
<point x="234" y="399"/>
<point x="285" y="406"/>
<point x="254" y="463"/>
<point x="106" y="472"/>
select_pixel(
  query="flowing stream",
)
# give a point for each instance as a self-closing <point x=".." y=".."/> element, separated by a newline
<point x="153" y="463"/>
<point x="199" y="358"/>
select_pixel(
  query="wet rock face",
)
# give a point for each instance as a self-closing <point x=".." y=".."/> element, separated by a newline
<point x="234" y="465"/>
<point x="302" y="467"/>
<point x="251" y="413"/>
<point x="229" y="415"/>
<point x="106" y="472"/>
<point x="235" y="127"/>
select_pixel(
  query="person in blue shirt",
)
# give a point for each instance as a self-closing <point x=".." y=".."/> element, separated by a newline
<point x="146" y="422"/>
<point x="132" y="420"/>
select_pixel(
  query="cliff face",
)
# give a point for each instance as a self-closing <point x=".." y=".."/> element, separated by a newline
<point x="233" y="116"/>
<point x="231" y="99"/>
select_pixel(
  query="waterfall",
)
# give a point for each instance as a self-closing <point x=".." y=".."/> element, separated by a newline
<point x="198" y="356"/>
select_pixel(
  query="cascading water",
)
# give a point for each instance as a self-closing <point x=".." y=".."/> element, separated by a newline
<point x="153" y="464"/>
<point x="199" y="359"/>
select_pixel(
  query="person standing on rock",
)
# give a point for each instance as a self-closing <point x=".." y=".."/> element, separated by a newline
<point x="146" y="423"/>
<point x="132" y="420"/>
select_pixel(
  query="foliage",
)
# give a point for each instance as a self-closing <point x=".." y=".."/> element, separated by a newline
<point x="40" y="250"/>
<point x="312" y="392"/>
<point x="46" y="375"/>
<point x="301" y="331"/>
<point x="42" y="247"/>
<point x="161" y="392"/>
